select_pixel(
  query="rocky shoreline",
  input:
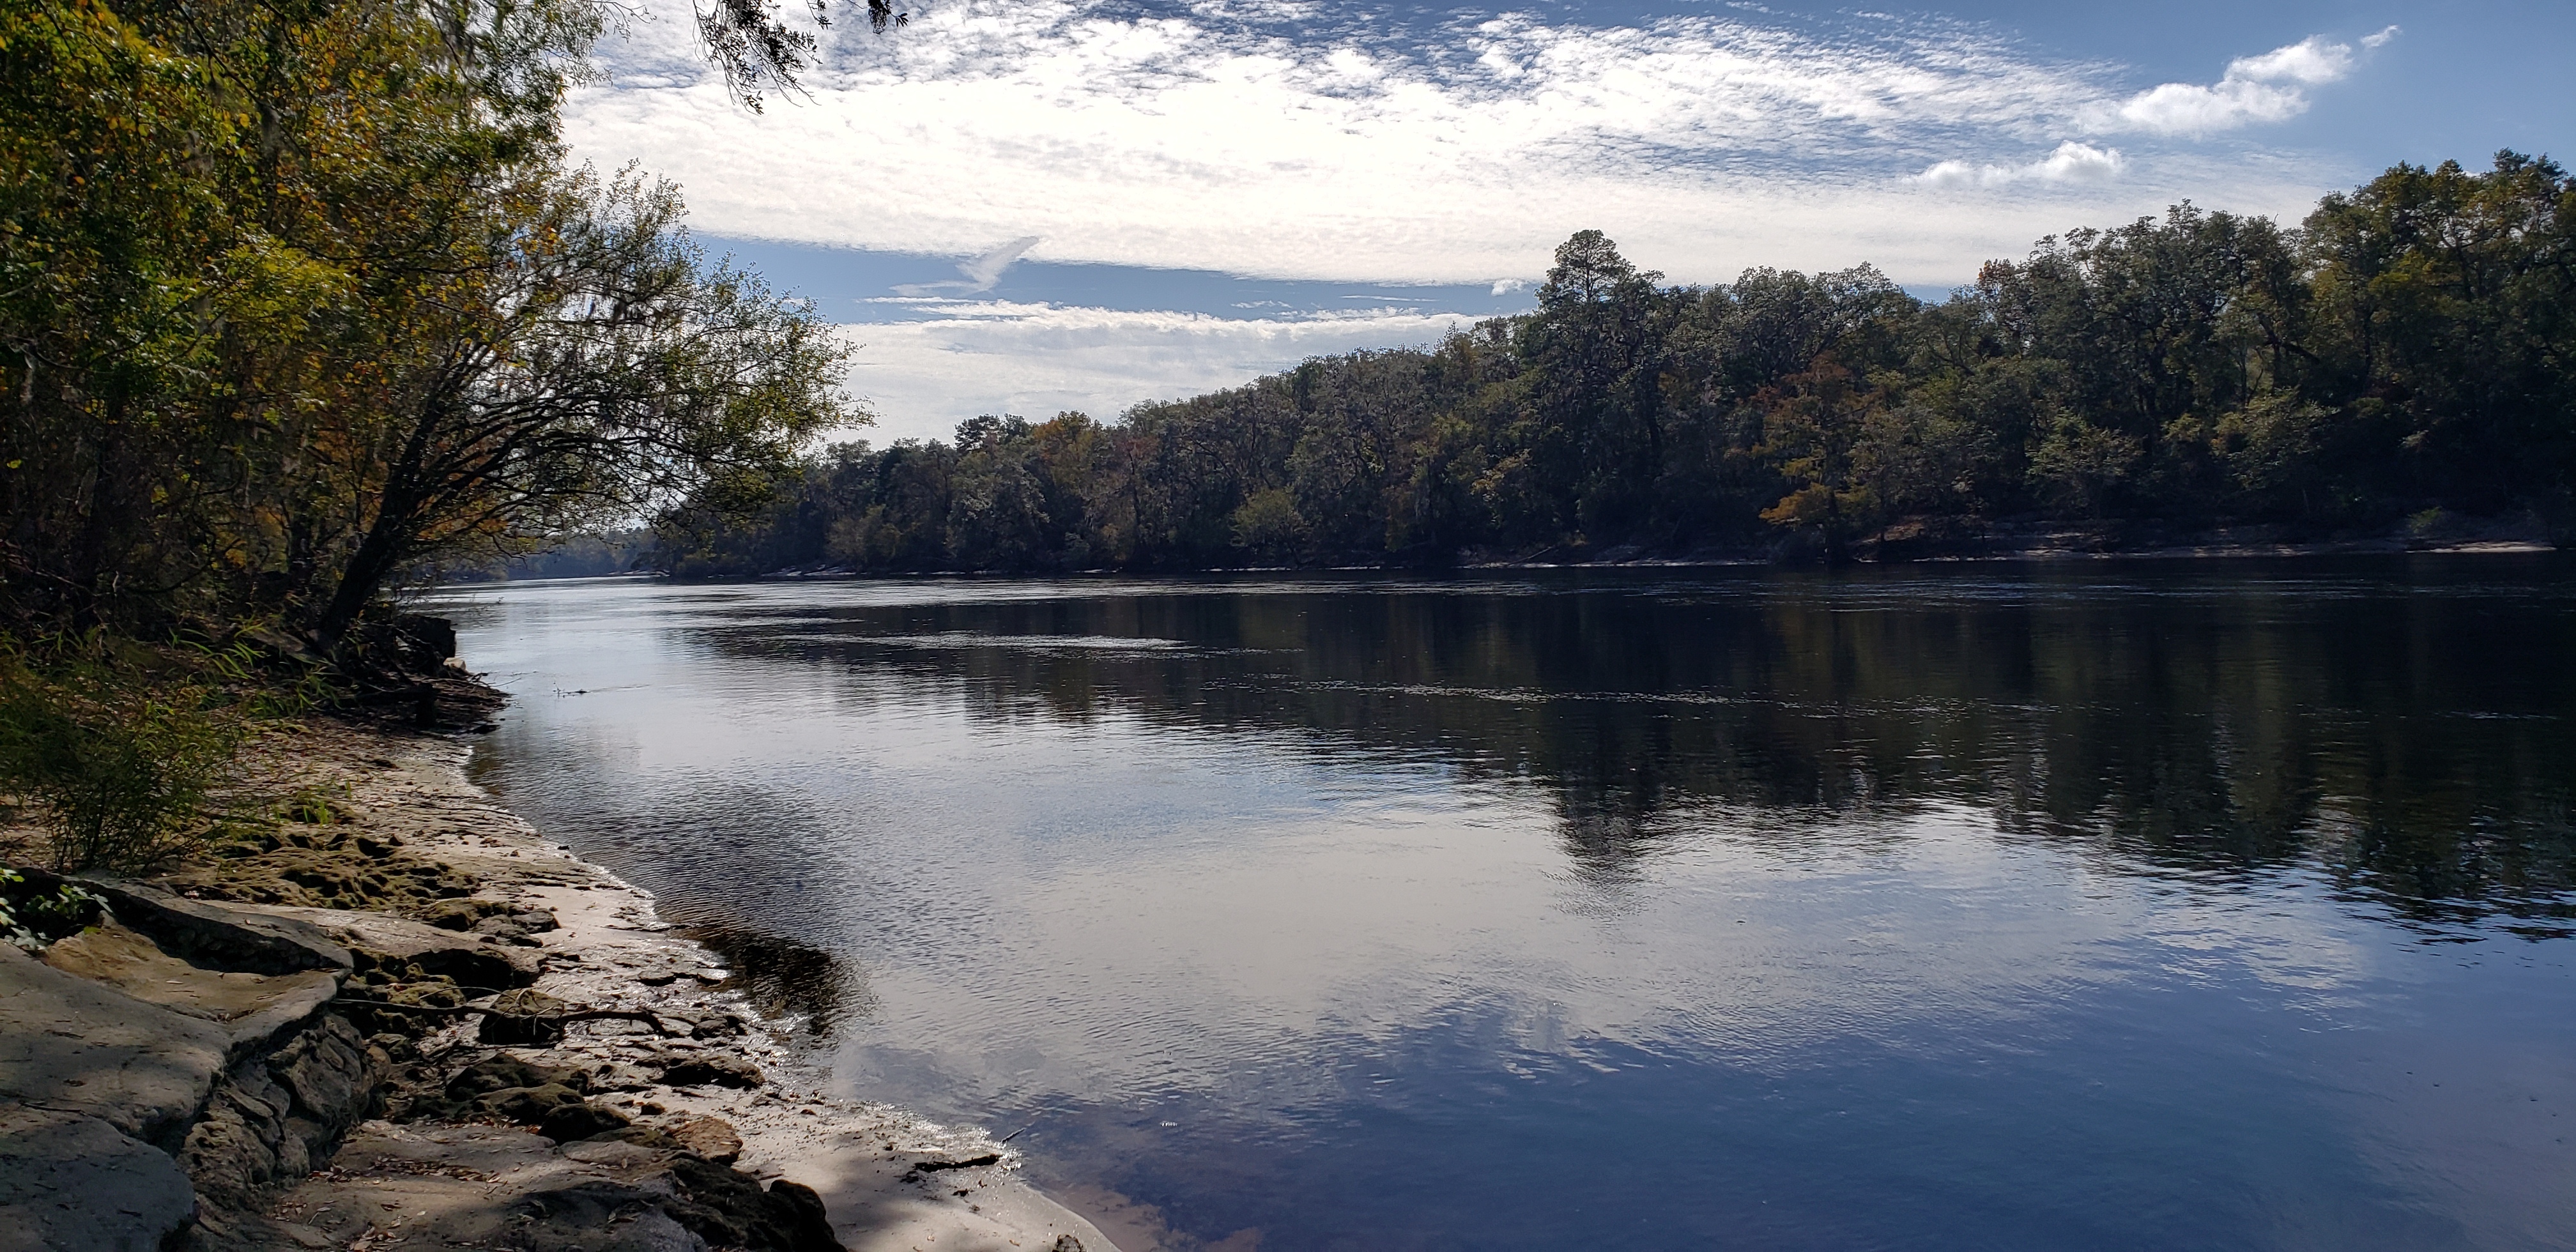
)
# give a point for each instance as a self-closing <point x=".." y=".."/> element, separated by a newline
<point x="402" y="1019"/>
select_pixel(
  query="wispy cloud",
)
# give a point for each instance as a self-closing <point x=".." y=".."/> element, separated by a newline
<point x="1234" y="138"/>
<point x="981" y="273"/>
<point x="2255" y="89"/>
<point x="1035" y="360"/>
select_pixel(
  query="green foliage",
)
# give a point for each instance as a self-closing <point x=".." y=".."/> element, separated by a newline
<point x="33" y="916"/>
<point x="2409" y="347"/>
<point x="118" y="746"/>
<point x="299" y="295"/>
<point x="313" y="804"/>
<point x="1269" y="527"/>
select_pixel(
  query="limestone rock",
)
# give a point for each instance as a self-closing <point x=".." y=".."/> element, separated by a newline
<point x="567" y="1122"/>
<point x="273" y="1118"/>
<point x="525" y="1106"/>
<point x="714" y="1068"/>
<point x="254" y="1007"/>
<point x="462" y="914"/>
<point x="406" y="948"/>
<point x="483" y="1077"/>
<point x="217" y="938"/>
<point x="70" y="1183"/>
<point x="729" y="1208"/>
<point x="523" y="1016"/>
<point x="711" y="1137"/>
<point x="77" y="1046"/>
<point x="400" y="1188"/>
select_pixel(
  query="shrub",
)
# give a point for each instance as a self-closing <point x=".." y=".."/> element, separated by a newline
<point x="33" y="915"/>
<point x="117" y="745"/>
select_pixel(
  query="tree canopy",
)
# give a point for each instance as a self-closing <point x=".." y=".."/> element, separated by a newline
<point x="2404" y="354"/>
<point x="295" y="294"/>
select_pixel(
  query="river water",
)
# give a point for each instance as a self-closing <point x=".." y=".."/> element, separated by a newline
<point x="2101" y="905"/>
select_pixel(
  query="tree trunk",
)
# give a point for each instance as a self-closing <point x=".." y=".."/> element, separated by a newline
<point x="369" y="566"/>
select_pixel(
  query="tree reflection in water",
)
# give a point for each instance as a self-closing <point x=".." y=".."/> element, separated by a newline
<point x="2401" y="727"/>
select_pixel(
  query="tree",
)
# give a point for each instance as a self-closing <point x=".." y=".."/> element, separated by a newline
<point x="2409" y="347"/>
<point x="295" y="293"/>
<point x="2447" y="333"/>
<point x="1596" y="439"/>
<point x="589" y="368"/>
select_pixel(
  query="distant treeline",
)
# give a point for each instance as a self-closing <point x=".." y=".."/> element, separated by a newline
<point x="579" y="556"/>
<point x="2408" y="352"/>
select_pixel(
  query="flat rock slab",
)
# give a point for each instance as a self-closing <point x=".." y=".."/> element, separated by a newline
<point x="253" y="1008"/>
<point x="405" y="1187"/>
<point x="220" y="937"/>
<point x="70" y="1183"/>
<point x="75" y="1045"/>
<point x="384" y="940"/>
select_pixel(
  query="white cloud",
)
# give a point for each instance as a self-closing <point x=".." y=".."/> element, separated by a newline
<point x="2072" y="162"/>
<point x="923" y="377"/>
<point x="981" y="273"/>
<point x="2255" y="89"/>
<point x="1703" y="144"/>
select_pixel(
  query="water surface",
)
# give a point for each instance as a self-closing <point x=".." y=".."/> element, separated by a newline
<point x="2217" y="905"/>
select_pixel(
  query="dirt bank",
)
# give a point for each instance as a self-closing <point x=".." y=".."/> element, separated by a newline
<point x="405" y="1020"/>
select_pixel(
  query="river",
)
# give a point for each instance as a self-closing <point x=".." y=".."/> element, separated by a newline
<point x="2104" y="905"/>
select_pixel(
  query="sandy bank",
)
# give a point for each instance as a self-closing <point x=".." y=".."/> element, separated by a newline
<point x="629" y="1096"/>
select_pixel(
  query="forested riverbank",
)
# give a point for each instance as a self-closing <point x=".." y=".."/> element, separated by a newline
<point x="294" y="298"/>
<point x="2396" y="365"/>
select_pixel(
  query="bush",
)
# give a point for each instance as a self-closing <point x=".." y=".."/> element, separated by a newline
<point x="117" y="745"/>
<point x="35" y="914"/>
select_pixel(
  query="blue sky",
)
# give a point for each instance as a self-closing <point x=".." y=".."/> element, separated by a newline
<point x="1031" y="206"/>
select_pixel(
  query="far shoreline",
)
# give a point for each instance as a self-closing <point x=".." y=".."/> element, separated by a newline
<point x="1607" y="560"/>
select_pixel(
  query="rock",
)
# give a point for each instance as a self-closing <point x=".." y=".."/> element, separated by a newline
<point x="621" y="1076"/>
<point x="708" y="1025"/>
<point x="75" y="1046"/>
<point x="70" y="1183"/>
<point x="713" y="1068"/>
<point x="501" y="1072"/>
<point x="329" y="1072"/>
<point x="404" y="948"/>
<point x="330" y="860"/>
<point x="273" y="1118"/>
<point x="711" y="1137"/>
<point x="212" y="937"/>
<point x="805" y="1214"/>
<point x="729" y="1208"/>
<point x="523" y="1016"/>
<point x="255" y="1007"/>
<point x="567" y="1122"/>
<point x="646" y="1137"/>
<point x="460" y="914"/>
<point x="614" y="1149"/>
<point x="525" y="1106"/>
<point x="483" y="1186"/>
